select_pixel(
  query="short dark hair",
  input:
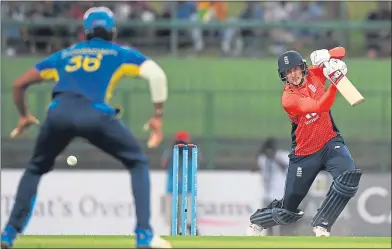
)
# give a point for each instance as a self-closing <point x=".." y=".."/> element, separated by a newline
<point x="100" y="32"/>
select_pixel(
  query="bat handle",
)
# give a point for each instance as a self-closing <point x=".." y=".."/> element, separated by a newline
<point x="337" y="53"/>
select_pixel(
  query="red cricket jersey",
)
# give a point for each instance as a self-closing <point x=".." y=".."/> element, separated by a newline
<point x="308" y="108"/>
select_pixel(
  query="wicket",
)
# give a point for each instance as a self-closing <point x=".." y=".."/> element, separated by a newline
<point x="184" y="189"/>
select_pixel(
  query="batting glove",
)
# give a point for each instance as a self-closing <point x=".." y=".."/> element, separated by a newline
<point x="319" y="57"/>
<point x="332" y="66"/>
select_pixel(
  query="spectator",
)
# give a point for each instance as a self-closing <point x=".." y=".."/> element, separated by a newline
<point x="279" y="11"/>
<point x="204" y="13"/>
<point x="209" y="11"/>
<point x="58" y="35"/>
<point x="13" y="33"/>
<point x="181" y="137"/>
<point x="378" y="41"/>
<point x="76" y="12"/>
<point x="307" y="12"/>
<point x="183" y="11"/>
<point x="41" y="37"/>
<point x="123" y="12"/>
<point x="252" y="11"/>
<point x="13" y="10"/>
<point x="142" y="10"/>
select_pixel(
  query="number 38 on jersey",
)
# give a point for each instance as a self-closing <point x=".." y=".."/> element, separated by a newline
<point x="86" y="63"/>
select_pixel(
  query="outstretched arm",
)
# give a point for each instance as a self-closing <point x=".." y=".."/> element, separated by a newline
<point x="43" y="70"/>
<point x="157" y="80"/>
<point x="138" y="65"/>
<point x="20" y="85"/>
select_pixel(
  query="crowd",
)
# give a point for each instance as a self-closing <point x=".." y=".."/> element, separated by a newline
<point x="230" y="40"/>
<point x="378" y="42"/>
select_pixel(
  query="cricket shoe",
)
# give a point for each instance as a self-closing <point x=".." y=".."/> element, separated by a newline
<point x="320" y="231"/>
<point x="145" y="239"/>
<point x="8" y="237"/>
<point x="254" y="230"/>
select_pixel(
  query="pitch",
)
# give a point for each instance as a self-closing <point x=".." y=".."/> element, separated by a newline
<point x="204" y="242"/>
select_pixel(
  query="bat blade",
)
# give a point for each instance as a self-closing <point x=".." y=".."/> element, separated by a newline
<point x="349" y="92"/>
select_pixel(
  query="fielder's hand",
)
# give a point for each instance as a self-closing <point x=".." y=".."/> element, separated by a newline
<point x="319" y="57"/>
<point x="24" y="123"/>
<point x="332" y="66"/>
<point x="156" y="135"/>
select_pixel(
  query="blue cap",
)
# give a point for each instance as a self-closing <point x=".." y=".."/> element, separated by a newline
<point x="99" y="17"/>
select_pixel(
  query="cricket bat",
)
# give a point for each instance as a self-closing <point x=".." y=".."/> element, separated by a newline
<point x="342" y="83"/>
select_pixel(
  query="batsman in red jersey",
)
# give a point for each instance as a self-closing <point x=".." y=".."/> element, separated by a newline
<point x="316" y="145"/>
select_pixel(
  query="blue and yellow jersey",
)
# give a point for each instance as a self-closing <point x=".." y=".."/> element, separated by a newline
<point x="91" y="68"/>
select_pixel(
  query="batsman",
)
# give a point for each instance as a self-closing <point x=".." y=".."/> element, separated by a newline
<point x="317" y="144"/>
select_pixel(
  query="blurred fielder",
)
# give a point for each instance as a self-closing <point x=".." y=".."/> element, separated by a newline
<point x="316" y="145"/>
<point x="273" y="164"/>
<point x="86" y="75"/>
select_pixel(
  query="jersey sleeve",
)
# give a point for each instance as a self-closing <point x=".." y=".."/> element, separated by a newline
<point x="318" y="73"/>
<point x="297" y="105"/>
<point x="132" y="60"/>
<point x="48" y="67"/>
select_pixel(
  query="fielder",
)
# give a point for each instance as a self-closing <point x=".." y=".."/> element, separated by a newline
<point x="86" y="75"/>
<point x="316" y="145"/>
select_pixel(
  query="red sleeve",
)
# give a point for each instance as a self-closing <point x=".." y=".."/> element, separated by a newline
<point x="317" y="72"/>
<point x="297" y="105"/>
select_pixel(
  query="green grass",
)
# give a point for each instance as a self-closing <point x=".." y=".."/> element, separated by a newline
<point x="204" y="242"/>
<point x="225" y="98"/>
<point x="225" y="74"/>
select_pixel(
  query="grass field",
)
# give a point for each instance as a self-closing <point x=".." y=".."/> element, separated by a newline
<point x="204" y="242"/>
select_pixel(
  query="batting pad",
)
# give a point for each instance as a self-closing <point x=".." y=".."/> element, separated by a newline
<point x="276" y="216"/>
<point x="344" y="187"/>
